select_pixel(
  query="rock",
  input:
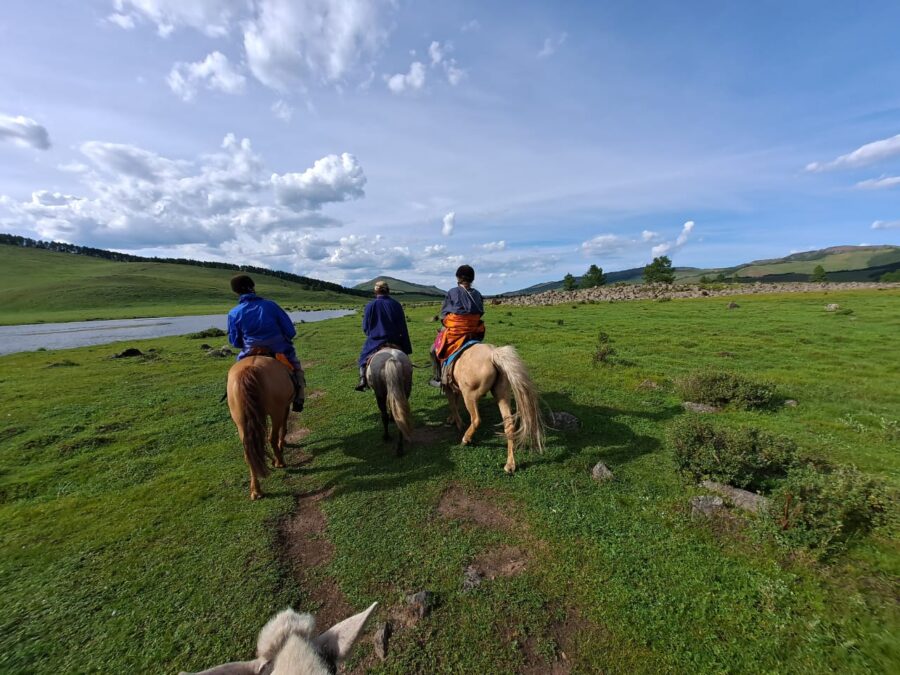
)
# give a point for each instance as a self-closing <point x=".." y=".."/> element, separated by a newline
<point x="435" y="318"/>
<point x="832" y="307"/>
<point x="381" y="638"/>
<point x="564" y="421"/>
<point x="601" y="473"/>
<point x="471" y="578"/>
<point x="648" y="384"/>
<point x="704" y="293"/>
<point x="733" y="305"/>
<point x="699" y="407"/>
<point x="131" y="351"/>
<point x="496" y="301"/>
<point x="790" y="403"/>
<point x="224" y="351"/>
<point x="725" y="355"/>
<point x="205" y="346"/>
<point x="706" y="506"/>
<point x="421" y="603"/>
<point x="742" y="499"/>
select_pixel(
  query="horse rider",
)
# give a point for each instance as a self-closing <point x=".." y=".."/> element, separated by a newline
<point x="461" y="317"/>
<point x="260" y="326"/>
<point x="384" y="323"/>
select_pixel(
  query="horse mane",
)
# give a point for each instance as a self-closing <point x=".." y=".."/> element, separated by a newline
<point x="249" y="389"/>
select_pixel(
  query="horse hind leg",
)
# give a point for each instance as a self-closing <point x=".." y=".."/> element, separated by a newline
<point x="385" y="419"/>
<point x="509" y="426"/>
<point x="277" y="436"/>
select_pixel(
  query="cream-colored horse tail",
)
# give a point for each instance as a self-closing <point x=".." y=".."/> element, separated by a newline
<point x="254" y="420"/>
<point x="529" y="423"/>
<point x="396" y="397"/>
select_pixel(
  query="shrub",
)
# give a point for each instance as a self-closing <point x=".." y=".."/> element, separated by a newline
<point x="824" y="508"/>
<point x="604" y="350"/>
<point x="721" y="389"/>
<point x="891" y="276"/>
<point x="743" y="457"/>
<point x="208" y="333"/>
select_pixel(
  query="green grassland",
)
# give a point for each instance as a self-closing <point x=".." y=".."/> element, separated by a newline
<point x="835" y="262"/>
<point x="128" y="543"/>
<point x="47" y="286"/>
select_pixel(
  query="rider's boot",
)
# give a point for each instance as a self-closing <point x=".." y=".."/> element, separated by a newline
<point x="362" y="379"/>
<point x="297" y="404"/>
<point x="435" y="380"/>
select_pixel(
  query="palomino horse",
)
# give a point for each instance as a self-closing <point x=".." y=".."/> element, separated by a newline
<point x="483" y="368"/>
<point x="260" y="387"/>
<point x="389" y="373"/>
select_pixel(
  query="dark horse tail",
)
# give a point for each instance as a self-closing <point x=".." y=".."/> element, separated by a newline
<point x="253" y="428"/>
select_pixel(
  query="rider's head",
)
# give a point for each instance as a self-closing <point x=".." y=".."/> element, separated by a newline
<point x="465" y="274"/>
<point x="242" y="284"/>
<point x="382" y="288"/>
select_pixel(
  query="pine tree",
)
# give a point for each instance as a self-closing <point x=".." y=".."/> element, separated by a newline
<point x="659" y="271"/>
<point x="569" y="283"/>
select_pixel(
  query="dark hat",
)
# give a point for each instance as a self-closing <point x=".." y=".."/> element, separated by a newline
<point x="465" y="273"/>
<point x="241" y="284"/>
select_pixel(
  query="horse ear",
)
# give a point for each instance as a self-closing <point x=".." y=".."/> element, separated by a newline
<point x="336" y="642"/>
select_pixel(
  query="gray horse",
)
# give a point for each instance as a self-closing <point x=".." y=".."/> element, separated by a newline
<point x="389" y="374"/>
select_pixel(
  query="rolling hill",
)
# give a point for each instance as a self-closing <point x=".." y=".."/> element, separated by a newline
<point x="841" y="263"/>
<point x="47" y="286"/>
<point x="400" y="287"/>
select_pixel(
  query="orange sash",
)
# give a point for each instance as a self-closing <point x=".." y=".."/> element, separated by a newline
<point x="458" y="329"/>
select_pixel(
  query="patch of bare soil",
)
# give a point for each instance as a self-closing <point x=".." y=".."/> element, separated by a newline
<point x="430" y="435"/>
<point x="553" y="650"/>
<point x="314" y="394"/>
<point x="310" y="364"/>
<point x="505" y="561"/>
<point x="457" y="504"/>
<point x="296" y="436"/>
<point x="305" y="550"/>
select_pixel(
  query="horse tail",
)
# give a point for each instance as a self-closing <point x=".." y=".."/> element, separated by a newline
<point x="396" y="397"/>
<point x="529" y="429"/>
<point x="253" y="420"/>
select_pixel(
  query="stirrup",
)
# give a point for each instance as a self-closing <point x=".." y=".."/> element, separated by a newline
<point x="434" y="383"/>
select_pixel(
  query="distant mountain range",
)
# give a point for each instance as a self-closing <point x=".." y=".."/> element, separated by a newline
<point x="841" y="263"/>
<point x="400" y="287"/>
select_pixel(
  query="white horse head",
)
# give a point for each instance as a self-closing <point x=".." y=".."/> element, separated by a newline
<point x="287" y="646"/>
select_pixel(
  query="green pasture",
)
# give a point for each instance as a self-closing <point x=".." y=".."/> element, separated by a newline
<point x="44" y="286"/>
<point x="128" y="542"/>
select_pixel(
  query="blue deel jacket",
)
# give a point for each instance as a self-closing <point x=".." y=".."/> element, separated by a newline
<point x="257" y="322"/>
<point x="384" y="321"/>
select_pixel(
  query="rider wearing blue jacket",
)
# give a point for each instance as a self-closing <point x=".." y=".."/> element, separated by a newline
<point x="260" y="324"/>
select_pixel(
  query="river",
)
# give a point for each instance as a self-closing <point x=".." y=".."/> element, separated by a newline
<point x="30" y="337"/>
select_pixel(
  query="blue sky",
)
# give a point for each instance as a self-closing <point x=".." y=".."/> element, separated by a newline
<point x="347" y="139"/>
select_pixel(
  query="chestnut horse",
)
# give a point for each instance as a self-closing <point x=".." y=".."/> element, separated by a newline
<point x="482" y="368"/>
<point x="260" y="387"/>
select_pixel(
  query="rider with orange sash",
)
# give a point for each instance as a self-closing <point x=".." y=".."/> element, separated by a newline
<point x="461" y="317"/>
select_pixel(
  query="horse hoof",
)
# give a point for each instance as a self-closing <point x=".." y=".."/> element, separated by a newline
<point x="510" y="470"/>
<point x="255" y="495"/>
<point x="465" y="441"/>
<point x="280" y="465"/>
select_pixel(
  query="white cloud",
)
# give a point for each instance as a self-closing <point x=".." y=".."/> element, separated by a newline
<point x="449" y="222"/>
<point x="213" y="72"/>
<point x="647" y="235"/>
<point x="331" y="179"/>
<point x="414" y="79"/>
<point x="879" y="183"/>
<point x="886" y="224"/>
<point x="436" y="52"/>
<point x="455" y="75"/>
<point x="494" y="246"/>
<point x="282" y="110"/>
<point x="607" y="244"/>
<point x="367" y="253"/>
<point x="870" y="153"/>
<point x="672" y="247"/>
<point x="123" y="21"/>
<point x="472" y="25"/>
<point x="211" y="17"/>
<point x="132" y="198"/>
<point x="289" y="41"/>
<point x="551" y="44"/>
<point x="24" y="131"/>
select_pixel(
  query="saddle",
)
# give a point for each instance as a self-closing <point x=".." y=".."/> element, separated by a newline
<point x="265" y="351"/>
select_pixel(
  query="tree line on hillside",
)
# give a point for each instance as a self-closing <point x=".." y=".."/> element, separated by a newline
<point x="658" y="271"/>
<point x="59" y="247"/>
